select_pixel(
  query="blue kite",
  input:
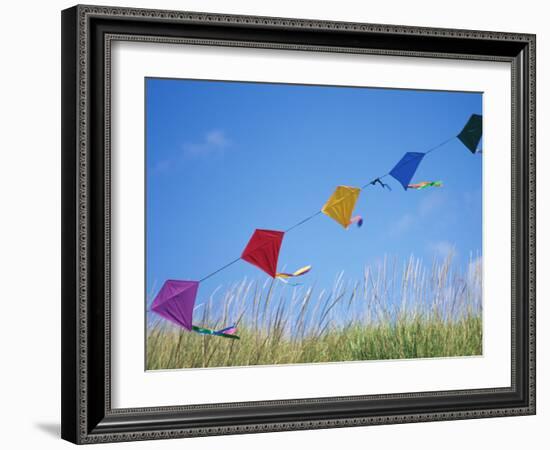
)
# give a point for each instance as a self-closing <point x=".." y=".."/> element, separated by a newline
<point x="404" y="170"/>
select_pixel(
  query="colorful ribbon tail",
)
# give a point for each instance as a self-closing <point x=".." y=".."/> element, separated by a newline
<point x="357" y="219"/>
<point x="298" y="273"/>
<point x="229" y="330"/>
<point x="282" y="280"/>
<point x="226" y="332"/>
<point x="425" y="184"/>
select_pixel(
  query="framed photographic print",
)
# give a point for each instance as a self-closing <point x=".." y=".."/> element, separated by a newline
<point x="278" y="224"/>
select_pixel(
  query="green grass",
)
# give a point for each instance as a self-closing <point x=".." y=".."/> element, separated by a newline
<point x="388" y="314"/>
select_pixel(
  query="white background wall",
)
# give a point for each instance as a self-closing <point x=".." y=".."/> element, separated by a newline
<point x="30" y="222"/>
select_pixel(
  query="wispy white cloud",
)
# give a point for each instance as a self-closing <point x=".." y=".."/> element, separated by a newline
<point x="160" y="166"/>
<point x="472" y="198"/>
<point x="443" y="248"/>
<point x="403" y="224"/>
<point x="211" y="143"/>
<point x="217" y="138"/>
<point x="430" y="203"/>
<point x="214" y="142"/>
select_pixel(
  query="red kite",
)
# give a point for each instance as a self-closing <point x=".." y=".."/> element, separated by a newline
<point x="262" y="251"/>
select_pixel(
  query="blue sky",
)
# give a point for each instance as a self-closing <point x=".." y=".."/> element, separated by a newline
<point x="224" y="158"/>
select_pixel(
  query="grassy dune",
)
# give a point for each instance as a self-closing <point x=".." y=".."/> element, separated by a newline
<point x="391" y="313"/>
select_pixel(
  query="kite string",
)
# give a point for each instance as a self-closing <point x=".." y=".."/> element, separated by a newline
<point x="301" y="222"/>
<point x="440" y="145"/>
<point x="307" y="219"/>
<point x="219" y="270"/>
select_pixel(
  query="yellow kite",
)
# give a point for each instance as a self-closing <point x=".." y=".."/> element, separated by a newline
<point x="341" y="204"/>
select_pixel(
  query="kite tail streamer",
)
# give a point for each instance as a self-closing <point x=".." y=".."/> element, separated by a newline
<point x="282" y="280"/>
<point x="357" y="219"/>
<point x="299" y="272"/>
<point x="425" y="184"/>
<point x="228" y="332"/>
<point x="381" y="183"/>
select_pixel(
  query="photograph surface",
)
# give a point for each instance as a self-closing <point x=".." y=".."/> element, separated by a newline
<point x="299" y="224"/>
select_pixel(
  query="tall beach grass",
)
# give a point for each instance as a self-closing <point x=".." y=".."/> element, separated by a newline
<point x="394" y="311"/>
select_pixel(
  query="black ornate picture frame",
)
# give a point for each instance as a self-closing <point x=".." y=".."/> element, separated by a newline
<point x="87" y="34"/>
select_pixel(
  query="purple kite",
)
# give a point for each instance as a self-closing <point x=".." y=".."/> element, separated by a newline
<point x="176" y="301"/>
